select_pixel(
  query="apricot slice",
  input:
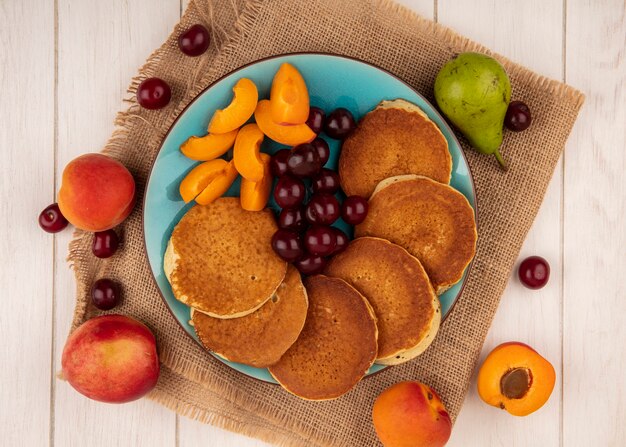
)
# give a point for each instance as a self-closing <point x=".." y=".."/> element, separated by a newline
<point x="515" y="378"/>
<point x="218" y="186"/>
<point x="199" y="178"/>
<point x="289" y="135"/>
<point x="238" y="111"/>
<point x="247" y="153"/>
<point x="208" y="147"/>
<point x="254" y="195"/>
<point x="289" y="97"/>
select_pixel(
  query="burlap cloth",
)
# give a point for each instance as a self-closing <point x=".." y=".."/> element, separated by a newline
<point x="192" y="383"/>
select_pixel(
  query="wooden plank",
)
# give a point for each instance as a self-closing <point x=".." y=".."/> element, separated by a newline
<point x="528" y="316"/>
<point x="26" y="187"/>
<point x="594" y="357"/>
<point x="101" y="45"/>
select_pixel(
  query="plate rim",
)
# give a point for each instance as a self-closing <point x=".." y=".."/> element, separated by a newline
<point x="240" y="68"/>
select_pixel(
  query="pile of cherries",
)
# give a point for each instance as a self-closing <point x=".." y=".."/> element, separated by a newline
<point x="305" y="236"/>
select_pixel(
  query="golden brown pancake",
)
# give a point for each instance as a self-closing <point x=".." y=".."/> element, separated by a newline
<point x="219" y="259"/>
<point x="397" y="287"/>
<point x="337" y="345"/>
<point x="393" y="139"/>
<point x="262" y="337"/>
<point x="433" y="221"/>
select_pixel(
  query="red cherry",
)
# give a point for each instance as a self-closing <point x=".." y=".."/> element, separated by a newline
<point x="323" y="151"/>
<point x="289" y="192"/>
<point x="339" y="123"/>
<point x="341" y="241"/>
<point x="304" y="161"/>
<point x="320" y="240"/>
<point x="326" y="181"/>
<point x="287" y="244"/>
<point x="534" y="272"/>
<point x="153" y="93"/>
<point x="322" y="209"/>
<point x="105" y="243"/>
<point x="354" y="210"/>
<point x="278" y="162"/>
<point x="310" y="264"/>
<point x="194" y="41"/>
<point x="292" y="219"/>
<point x="51" y="220"/>
<point x="315" y="121"/>
<point x="105" y="294"/>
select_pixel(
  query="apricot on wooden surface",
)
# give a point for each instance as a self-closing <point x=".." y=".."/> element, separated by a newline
<point x="288" y="135"/>
<point x="289" y="97"/>
<point x="411" y="414"/>
<point x="254" y="195"/>
<point x="247" y="153"/>
<point x="238" y="111"/>
<point x="515" y="378"/>
<point x="209" y="146"/>
<point x="218" y="186"/>
<point x="111" y="358"/>
<point x="97" y="192"/>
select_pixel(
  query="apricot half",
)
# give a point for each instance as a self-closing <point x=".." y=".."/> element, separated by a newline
<point x="247" y="153"/>
<point x="238" y="111"/>
<point x="289" y="97"/>
<point x="515" y="378"/>
<point x="254" y="195"/>
<point x="208" y="147"/>
<point x="411" y="414"/>
<point x="288" y="135"/>
<point x="214" y="174"/>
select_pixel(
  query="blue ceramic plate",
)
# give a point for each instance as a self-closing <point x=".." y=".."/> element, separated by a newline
<point x="333" y="81"/>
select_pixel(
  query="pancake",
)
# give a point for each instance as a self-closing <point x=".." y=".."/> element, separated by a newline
<point x="393" y="139"/>
<point x="396" y="285"/>
<point x="262" y="337"/>
<point x="337" y="345"/>
<point x="432" y="221"/>
<point x="219" y="259"/>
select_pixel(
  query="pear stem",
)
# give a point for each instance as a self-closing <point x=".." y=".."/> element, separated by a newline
<point x="500" y="159"/>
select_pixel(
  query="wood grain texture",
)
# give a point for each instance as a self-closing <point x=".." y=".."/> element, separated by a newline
<point x="26" y="187"/>
<point x="594" y="333"/>
<point x="100" y="47"/>
<point x="532" y="317"/>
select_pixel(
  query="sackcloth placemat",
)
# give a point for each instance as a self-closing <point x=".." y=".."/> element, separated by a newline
<point x="381" y="32"/>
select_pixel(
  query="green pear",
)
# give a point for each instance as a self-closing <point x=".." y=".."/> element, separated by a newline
<point x="473" y="91"/>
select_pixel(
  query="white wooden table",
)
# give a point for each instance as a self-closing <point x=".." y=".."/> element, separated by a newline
<point x="64" y="67"/>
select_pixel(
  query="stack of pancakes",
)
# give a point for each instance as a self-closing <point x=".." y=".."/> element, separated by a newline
<point x="376" y="301"/>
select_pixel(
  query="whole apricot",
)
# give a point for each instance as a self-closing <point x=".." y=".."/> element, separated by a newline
<point x="97" y="192"/>
<point x="411" y="414"/>
<point x="515" y="378"/>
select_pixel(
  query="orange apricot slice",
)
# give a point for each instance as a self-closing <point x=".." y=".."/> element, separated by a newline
<point x="208" y="147"/>
<point x="238" y="111"/>
<point x="289" y="97"/>
<point x="254" y="195"/>
<point x="515" y="378"/>
<point x="288" y="135"/>
<point x="199" y="178"/>
<point x="218" y="186"/>
<point x="247" y="153"/>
